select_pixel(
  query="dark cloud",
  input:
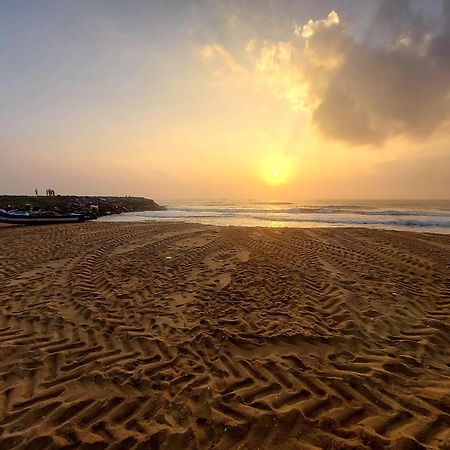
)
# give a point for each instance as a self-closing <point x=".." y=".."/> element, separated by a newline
<point x="396" y="19"/>
<point x="394" y="82"/>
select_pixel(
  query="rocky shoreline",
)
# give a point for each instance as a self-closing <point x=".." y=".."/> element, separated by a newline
<point x="101" y="205"/>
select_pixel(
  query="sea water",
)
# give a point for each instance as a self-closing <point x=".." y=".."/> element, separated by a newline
<point x="423" y="215"/>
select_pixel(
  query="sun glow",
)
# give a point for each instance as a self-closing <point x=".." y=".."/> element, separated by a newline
<point x="276" y="172"/>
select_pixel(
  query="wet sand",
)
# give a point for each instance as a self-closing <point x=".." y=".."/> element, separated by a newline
<point x="182" y="336"/>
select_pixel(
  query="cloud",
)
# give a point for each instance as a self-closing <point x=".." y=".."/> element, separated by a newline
<point x="271" y="66"/>
<point x="220" y="53"/>
<point x="276" y="71"/>
<point x="395" y="81"/>
<point x="397" y="84"/>
<point x="313" y="26"/>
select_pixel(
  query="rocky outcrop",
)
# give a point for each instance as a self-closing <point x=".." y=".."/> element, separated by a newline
<point x="76" y="204"/>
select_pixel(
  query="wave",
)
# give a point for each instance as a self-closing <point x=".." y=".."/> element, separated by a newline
<point x="405" y="222"/>
<point x="412" y="221"/>
<point x="396" y="212"/>
<point x="302" y="210"/>
<point x="288" y="214"/>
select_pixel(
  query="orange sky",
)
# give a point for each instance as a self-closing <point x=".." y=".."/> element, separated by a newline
<point x="225" y="99"/>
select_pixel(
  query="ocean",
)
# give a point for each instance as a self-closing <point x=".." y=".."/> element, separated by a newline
<point x="422" y="215"/>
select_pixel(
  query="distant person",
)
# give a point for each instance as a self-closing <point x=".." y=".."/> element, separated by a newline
<point x="36" y="191"/>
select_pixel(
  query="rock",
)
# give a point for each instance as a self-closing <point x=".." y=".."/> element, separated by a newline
<point x="81" y="204"/>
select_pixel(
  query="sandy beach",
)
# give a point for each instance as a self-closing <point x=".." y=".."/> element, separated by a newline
<point x="184" y="336"/>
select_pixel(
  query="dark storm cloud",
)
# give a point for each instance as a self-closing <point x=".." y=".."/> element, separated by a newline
<point x="394" y="82"/>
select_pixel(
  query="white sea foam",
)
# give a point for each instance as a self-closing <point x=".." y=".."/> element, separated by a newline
<point x="432" y="215"/>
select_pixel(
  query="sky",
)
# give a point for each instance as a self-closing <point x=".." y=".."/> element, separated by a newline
<point x="236" y="99"/>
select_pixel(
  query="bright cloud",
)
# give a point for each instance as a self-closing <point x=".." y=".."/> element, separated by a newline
<point x="394" y="82"/>
<point x="313" y="26"/>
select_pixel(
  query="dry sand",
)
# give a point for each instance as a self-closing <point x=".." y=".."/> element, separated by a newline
<point x="181" y="336"/>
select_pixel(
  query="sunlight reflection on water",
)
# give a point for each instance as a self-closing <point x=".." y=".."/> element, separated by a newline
<point x="432" y="216"/>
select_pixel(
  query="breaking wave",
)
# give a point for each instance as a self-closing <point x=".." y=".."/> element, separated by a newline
<point x="434" y="215"/>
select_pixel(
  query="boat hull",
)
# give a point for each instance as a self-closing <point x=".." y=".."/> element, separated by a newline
<point x="22" y="219"/>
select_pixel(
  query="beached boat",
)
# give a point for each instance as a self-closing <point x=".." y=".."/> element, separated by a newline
<point x="26" y="218"/>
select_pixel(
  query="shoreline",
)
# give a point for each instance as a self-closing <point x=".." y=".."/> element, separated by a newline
<point x="413" y="229"/>
<point x="186" y="336"/>
<point x="104" y="220"/>
<point x="400" y="215"/>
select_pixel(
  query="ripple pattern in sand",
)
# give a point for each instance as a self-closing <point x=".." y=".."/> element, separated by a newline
<point x="179" y="336"/>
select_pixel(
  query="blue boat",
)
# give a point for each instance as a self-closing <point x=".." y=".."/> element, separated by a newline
<point x="33" y="218"/>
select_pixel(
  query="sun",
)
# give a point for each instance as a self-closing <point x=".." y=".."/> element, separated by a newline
<point x="276" y="171"/>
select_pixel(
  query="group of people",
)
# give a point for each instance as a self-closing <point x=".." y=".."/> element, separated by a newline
<point x="48" y="192"/>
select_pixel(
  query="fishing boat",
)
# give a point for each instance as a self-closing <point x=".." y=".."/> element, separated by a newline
<point x="32" y="218"/>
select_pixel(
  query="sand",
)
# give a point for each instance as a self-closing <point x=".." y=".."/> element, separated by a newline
<point x="182" y="336"/>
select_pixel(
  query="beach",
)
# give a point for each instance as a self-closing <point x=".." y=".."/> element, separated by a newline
<point x="187" y="336"/>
